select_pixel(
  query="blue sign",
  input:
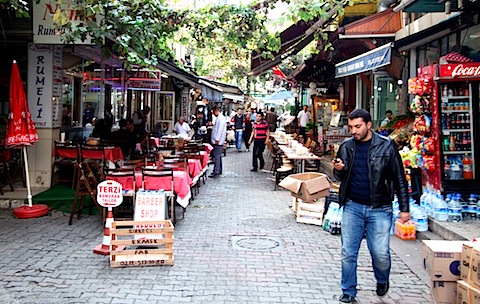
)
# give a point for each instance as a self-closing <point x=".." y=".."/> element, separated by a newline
<point x="370" y="60"/>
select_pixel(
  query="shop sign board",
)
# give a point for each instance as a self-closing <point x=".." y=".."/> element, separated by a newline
<point x="370" y="60"/>
<point x="109" y="194"/>
<point x="44" y="84"/>
<point x="44" y="29"/>
<point x="150" y="206"/>
<point x="145" y="80"/>
<point x="459" y="70"/>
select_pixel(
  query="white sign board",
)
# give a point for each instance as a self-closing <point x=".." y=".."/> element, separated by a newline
<point x="150" y="206"/>
<point x="145" y="80"/>
<point x="109" y="194"/>
<point x="44" y="30"/>
<point x="40" y="84"/>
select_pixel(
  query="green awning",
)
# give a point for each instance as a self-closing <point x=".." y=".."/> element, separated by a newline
<point x="429" y="6"/>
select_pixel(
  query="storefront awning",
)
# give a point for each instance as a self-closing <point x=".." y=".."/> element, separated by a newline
<point x="370" y="60"/>
<point x="380" y="25"/>
<point x="293" y="40"/>
<point x="233" y="97"/>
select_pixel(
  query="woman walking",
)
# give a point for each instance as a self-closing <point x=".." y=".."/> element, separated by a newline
<point x="248" y="130"/>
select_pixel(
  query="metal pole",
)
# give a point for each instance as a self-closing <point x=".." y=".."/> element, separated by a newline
<point x="27" y="177"/>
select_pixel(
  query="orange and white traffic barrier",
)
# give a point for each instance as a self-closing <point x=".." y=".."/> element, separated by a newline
<point x="104" y="247"/>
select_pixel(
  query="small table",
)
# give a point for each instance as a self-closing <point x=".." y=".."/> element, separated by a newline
<point x="181" y="182"/>
<point x="290" y="154"/>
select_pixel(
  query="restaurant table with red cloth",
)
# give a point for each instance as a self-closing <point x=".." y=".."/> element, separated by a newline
<point x="194" y="167"/>
<point x="181" y="180"/>
<point x="208" y="148"/>
<point x="111" y="153"/>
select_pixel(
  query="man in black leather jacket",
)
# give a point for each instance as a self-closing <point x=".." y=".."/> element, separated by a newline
<point x="370" y="170"/>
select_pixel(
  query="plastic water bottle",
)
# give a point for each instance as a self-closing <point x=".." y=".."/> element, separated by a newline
<point x="454" y="210"/>
<point x="332" y="209"/>
<point x="429" y="203"/>
<point x="423" y="199"/>
<point x="478" y="207"/>
<point x="464" y="204"/>
<point x="440" y="208"/>
<point x="472" y="207"/>
<point x="422" y="220"/>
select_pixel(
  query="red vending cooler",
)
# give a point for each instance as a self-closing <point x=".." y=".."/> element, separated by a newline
<point x="455" y="127"/>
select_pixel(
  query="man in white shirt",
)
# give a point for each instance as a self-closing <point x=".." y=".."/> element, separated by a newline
<point x="303" y="118"/>
<point x="219" y="133"/>
<point x="389" y="117"/>
<point x="182" y="128"/>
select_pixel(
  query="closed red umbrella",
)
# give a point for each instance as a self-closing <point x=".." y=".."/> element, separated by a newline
<point x="21" y="132"/>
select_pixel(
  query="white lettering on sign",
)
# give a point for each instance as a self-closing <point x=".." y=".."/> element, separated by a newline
<point x="460" y="70"/>
<point x="109" y="193"/>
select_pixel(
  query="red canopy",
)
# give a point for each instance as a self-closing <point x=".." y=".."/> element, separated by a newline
<point x="21" y="128"/>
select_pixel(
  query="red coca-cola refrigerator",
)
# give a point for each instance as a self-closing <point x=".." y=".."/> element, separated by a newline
<point x="455" y="127"/>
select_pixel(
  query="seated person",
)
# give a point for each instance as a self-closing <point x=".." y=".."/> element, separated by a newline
<point x="126" y="137"/>
<point x="101" y="130"/>
<point x="182" y="128"/>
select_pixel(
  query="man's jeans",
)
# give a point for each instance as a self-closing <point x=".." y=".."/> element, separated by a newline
<point x="258" y="148"/>
<point x="356" y="219"/>
<point x="238" y="139"/>
<point x="217" y="158"/>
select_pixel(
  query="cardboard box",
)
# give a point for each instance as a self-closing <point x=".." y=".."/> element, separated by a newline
<point x="474" y="294"/>
<point x="467" y="262"/>
<point x="442" y="259"/>
<point x="444" y="292"/>
<point x="463" y="293"/>
<point x="307" y="186"/>
<point x="474" y="271"/>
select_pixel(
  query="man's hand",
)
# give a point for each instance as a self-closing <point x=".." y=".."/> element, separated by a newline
<point x="404" y="216"/>
<point x="338" y="164"/>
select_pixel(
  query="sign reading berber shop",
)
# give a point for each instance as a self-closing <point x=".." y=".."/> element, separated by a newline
<point x="109" y="194"/>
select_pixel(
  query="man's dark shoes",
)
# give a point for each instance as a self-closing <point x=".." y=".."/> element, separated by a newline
<point x="253" y="170"/>
<point x="212" y="175"/>
<point x="382" y="289"/>
<point x="346" y="298"/>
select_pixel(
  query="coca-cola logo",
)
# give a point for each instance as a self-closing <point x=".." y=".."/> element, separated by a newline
<point x="469" y="71"/>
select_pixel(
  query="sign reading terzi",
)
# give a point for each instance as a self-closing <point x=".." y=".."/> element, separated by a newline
<point x="459" y="70"/>
<point x="375" y="58"/>
<point x="44" y="30"/>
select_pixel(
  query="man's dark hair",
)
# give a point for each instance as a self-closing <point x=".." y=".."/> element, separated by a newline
<point x="388" y="112"/>
<point x="215" y="109"/>
<point x="122" y="123"/>
<point x="272" y="109"/>
<point x="360" y="113"/>
<point x="260" y="113"/>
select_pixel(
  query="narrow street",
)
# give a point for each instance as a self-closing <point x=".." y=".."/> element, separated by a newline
<point x="238" y="243"/>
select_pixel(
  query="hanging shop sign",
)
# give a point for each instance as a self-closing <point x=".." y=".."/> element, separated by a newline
<point x="370" y="60"/>
<point x="145" y="80"/>
<point x="44" y="84"/>
<point x="459" y="70"/>
<point x="44" y="29"/>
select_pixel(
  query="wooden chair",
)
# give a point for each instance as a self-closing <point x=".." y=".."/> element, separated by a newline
<point x="86" y="185"/>
<point x="125" y="177"/>
<point x="66" y="155"/>
<point x="93" y="153"/>
<point x="149" y="175"/>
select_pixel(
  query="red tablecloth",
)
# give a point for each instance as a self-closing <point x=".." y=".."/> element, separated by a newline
<point x="111" y="154"/>
<point x="195" y="167"/>
<point x="205" y="158"/>
<point x="208" y="148"/>
<point x="181" y="180"/>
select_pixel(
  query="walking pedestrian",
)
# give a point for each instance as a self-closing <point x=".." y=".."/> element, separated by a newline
<point x="303" y="118"/>
<point x="248" y="131"/>
<point x="271" y="118"/>
<point x="370" y="169"/>
<point x="238" y="126"/>
<point x="261" y="134"/>
<point x="219" y="133"/>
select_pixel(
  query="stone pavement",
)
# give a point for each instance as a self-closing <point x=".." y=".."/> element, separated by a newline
<point x="238" y="243"/>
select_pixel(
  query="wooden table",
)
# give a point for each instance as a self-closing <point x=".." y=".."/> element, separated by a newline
<point x="290" y="154"/>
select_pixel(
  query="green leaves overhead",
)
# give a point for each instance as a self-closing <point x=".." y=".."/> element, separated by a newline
<point x="143" y="30"/>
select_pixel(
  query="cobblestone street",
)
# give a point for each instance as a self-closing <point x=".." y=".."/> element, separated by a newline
<point x="238" y="243"/>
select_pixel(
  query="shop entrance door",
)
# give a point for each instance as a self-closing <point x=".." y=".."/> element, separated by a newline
<point x="163" y="110"/>
<point x="384" y="92"/>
